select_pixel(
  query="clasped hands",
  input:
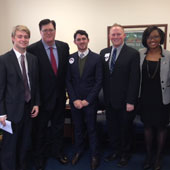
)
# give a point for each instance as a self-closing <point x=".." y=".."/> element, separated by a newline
<point x="79" y="104"/>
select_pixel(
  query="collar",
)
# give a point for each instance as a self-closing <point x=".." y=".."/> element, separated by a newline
<point x="84" y="52"/>
<point x="118" y="48"/>
<point x="18" y="54"/>
<point x="47" y="47"/>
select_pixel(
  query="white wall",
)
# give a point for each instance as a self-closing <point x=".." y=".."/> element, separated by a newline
<point x="92" y="15"/>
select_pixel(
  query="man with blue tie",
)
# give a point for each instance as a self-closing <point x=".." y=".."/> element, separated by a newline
<point x="120" y="87"/>
<point x="52" y="57"/>
<point x="84" y="81"/>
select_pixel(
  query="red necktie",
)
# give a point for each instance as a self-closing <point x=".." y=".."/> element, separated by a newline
<point x="53" y="61"/>
<point x="27" y="90"/>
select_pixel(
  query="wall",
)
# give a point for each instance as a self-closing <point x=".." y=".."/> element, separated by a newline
<point x="92" y="15"/>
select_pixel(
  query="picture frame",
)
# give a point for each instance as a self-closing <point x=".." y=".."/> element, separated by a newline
<point x="134" y="34"/>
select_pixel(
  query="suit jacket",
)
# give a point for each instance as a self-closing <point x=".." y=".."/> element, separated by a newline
<point x="164" y="73"/>
<point x="88" y="85"/>
<point x="12" y="92"/>
<point x="52" y="87"/>
<point x="122" y="85"/>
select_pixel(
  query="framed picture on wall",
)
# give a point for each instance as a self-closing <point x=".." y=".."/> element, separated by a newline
<point x="134" y="34"/>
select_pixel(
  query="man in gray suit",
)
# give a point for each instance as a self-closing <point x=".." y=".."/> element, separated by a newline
<point x="19" y="99"/>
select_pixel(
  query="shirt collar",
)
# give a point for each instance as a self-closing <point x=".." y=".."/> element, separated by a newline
<point x="84" y="52"/>
<point x="47" y="47"/>
<point x="118" y="48"/>
<point x="18" y="54"/>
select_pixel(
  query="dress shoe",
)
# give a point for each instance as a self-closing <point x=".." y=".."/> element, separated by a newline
<point x="111" y="157"/>
<point x="147" y="164"/>
<point x="75" y="159"/>
<point x="157" y="165"/>
<point x="62" y="159"/>
<point x="123" y="162"/>
<point x="94" y="163"/>
<point x="40" y="164"/>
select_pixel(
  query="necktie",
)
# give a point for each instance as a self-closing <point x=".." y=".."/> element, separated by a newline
<point x="53" y="61"/>
<point x="113" y="60"/>
<point x="81" y="55"/>
<point x="27" y="90"/>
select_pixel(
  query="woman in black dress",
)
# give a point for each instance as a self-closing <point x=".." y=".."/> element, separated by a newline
<point x="154" y="93"/>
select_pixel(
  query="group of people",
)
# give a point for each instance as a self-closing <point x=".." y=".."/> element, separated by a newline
<point x="33" y="84"/>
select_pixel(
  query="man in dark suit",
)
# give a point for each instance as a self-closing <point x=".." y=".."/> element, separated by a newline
<point x="52" y="59"/>
<point x="121" y="85"/>
<point x="84" y="78"/>
<point x="19" y="100"/>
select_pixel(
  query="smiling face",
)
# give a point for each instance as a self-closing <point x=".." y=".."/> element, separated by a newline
<point x="153" y="41"/>
<point x="48" y="34"/>
<point x="117" y="36"/>
<point x="20" y="41"/>
<point x="82" y="42"/>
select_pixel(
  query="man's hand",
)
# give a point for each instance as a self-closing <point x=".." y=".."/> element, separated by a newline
<point x="85" y="103"/>
<point x="129" y="107"/>
<point x="78" y="104"/>
<point x="2" y="120"/>
<point x="35" y="111"/>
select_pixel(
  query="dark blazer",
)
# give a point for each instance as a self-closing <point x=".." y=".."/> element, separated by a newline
<point x="88" y="85"/>
<point x="12" y="100"/>
<point x="52" y="87"/>
<point x="122" y="85"/>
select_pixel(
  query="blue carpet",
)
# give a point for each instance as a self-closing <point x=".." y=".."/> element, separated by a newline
<point x="135" y="163"/>
<point x="84" y="164"/>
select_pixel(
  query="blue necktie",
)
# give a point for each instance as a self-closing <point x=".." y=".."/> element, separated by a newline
<point x="113" y="60"/>
<point x="81" y="56"/>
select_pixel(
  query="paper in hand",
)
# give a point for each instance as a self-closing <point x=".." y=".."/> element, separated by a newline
<point x="7" y="127"/>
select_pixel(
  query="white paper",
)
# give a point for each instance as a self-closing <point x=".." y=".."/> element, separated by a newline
<point x="7" y="127"/>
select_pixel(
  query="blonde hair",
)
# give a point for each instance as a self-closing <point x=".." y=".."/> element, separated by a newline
<point x="20" y="28"/>
<point x="117" y="25"/>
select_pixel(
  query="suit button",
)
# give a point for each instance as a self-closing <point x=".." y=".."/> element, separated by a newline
<point x="162" y="81"/>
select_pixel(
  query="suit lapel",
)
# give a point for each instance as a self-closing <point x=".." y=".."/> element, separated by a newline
<point x="29" y="63"/>
<point x="121" y="54"/>
<point x="16" y="64"/>
<point x="59" y="56"/>
<point x="76" y="57"/>
<point x="45" y="58"/>
<point x="109" y="58"/>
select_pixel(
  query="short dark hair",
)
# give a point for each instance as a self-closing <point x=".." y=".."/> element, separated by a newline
<point x="147" y="33"/>
<point x="81" y="32"/>
<point x="45" y="22"/>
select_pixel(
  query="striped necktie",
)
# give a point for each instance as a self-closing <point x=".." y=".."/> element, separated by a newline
<point x="113" y="60"/>
<point x="27" y="90"/>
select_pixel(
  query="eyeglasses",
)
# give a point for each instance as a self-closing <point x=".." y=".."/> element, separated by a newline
<point x="48" y="30"/>
<point x="154" y="37"/>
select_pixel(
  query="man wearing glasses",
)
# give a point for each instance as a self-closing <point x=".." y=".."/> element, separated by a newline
<point x="52" y="57"/>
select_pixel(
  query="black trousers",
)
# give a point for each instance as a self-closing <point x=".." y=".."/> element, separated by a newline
<point x="16" y="147"/>
<point x="120" y="129"/>
<point x="85" y="119"/>
<point x="48" y="141"/>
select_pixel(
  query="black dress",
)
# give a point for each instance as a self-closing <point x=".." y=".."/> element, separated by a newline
<point x="153" y="111"/>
